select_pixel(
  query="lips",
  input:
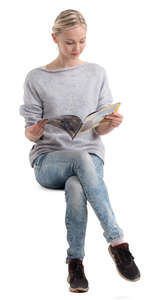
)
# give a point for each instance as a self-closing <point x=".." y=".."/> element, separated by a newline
<point x="75" y="53"/>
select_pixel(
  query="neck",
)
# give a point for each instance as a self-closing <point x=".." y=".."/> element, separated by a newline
<point x="61" y="62"/>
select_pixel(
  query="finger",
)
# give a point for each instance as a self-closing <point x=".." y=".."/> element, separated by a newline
<point x="41" y="123"/>
<point x="115" y="117"/>
<point x="116" y="114"/>
<point x="115" y="123"/>
<point x="107" y="116"/>
<point x="117" y="120"/>
<point x="44" y="121"/>
<point x="110" y="117"/>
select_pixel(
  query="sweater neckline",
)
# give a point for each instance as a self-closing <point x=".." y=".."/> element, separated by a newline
<point x="63" y="69"/>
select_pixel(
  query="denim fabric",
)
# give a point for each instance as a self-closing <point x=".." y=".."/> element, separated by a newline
<point x="80" y="174"/>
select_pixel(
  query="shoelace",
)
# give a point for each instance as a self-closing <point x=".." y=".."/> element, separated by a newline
<point x="124" y="256"/>
<point x="77" y="268"/>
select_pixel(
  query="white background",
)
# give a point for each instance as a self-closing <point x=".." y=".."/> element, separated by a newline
<point x="122" y="37"/>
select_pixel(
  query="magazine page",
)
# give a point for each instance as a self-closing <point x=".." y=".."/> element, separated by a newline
<point x="94" y="119"/>
<point x="70" y="123"/>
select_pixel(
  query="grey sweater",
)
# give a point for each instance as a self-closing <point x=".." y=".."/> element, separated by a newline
<point x="77" y="90"/>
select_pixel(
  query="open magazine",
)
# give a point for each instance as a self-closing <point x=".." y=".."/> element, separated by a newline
<point x="74" y="126"/>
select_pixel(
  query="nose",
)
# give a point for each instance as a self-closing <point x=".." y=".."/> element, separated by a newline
<point x="77" y="48"/>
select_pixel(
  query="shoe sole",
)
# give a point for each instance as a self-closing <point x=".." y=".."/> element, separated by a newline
<point x="76" y="290"/>
<point x="136" y="279"/>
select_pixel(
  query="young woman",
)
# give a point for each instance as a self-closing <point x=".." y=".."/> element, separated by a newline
<point x="68" y="85"/>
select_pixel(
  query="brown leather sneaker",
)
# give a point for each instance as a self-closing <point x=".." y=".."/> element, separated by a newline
<point x="124" y="261"/>
<point x="76" y="278"/>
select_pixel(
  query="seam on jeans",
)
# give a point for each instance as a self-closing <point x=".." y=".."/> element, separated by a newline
<point x="67" y="222"/>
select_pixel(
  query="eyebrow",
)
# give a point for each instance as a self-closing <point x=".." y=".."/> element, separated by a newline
<point x="72" y="40"/>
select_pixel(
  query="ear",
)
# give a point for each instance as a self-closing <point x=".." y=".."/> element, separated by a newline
<point x="54" y="37"/>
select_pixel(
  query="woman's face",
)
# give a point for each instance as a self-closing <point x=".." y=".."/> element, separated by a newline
<point x="71" y="42"/>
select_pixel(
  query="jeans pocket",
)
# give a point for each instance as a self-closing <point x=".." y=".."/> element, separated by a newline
<point x="38" y="160"/>
<point x="36" y="163"/>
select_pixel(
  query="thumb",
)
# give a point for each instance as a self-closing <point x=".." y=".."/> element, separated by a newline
<point x="42" y="122"/>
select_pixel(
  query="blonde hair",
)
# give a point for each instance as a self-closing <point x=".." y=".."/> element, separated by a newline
<point x="68" y="19"/>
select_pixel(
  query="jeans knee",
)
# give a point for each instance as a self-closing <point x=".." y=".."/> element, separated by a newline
<point x="72" y="184"/>
<point x="82" y="157"/>
<point x="74" y="193"/>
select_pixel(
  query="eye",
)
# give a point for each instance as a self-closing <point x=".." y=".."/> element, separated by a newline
<point x="72" y="43"/>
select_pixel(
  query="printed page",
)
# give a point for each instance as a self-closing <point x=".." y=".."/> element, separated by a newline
<point x="70" y="123"/>
<point x="93" y="119"/>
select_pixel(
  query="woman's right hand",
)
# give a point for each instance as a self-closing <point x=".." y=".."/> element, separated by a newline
<point x="34" y="132"/>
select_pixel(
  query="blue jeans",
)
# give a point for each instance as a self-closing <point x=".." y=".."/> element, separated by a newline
<point x="80" y="174"/>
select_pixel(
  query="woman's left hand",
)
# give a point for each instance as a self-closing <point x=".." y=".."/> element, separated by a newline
<point x="115" y="119"/>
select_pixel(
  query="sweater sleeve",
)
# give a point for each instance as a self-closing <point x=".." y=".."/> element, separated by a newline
<point x="32" y="109"/>
<point x="105" y="95"/>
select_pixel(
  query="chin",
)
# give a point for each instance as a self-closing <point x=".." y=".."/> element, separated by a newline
<point x="75" y="56"/>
